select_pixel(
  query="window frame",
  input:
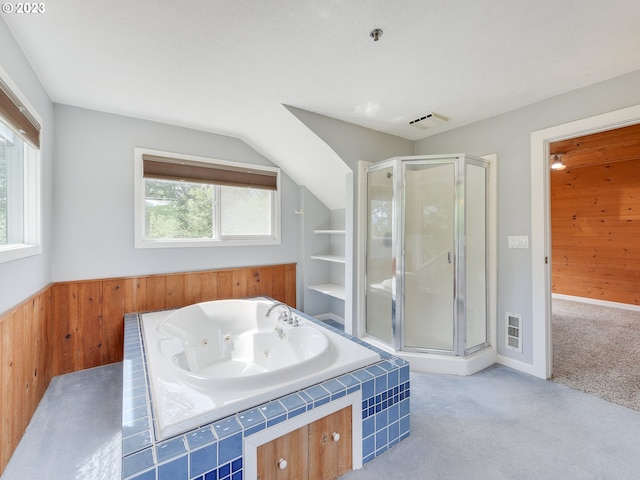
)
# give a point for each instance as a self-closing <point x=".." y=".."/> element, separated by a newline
<point x="139" y="202"/>
<point x="32" y="205"/>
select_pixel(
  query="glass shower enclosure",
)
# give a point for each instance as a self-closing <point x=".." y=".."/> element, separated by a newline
<point x="426" y="254"/>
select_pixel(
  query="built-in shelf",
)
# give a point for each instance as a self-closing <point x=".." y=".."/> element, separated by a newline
<point x="330" y="289"/>
<point x="329" y="258"/>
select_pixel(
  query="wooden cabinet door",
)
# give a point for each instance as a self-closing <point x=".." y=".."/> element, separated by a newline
<point x="293" y="449"/>
<point x="330" y="453"/>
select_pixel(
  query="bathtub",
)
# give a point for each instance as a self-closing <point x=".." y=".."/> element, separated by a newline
<point x="213" y="359"/>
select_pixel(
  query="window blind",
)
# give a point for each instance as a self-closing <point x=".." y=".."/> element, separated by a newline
<point x="17" y="117"/>
<point x="166" y="168"/>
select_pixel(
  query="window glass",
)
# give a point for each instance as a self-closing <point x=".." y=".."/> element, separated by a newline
<point x="245" y="211"/>
<point x="178" y="210"/>
<point x="193" y="201"/>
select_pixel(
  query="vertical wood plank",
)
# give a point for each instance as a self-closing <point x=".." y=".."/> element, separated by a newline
<point x="114" y="299"/>
<point x="156" y="288"/>
<point x="135" y="298"/>
<point x="90" y="325"/>
<point x="253" y="280"/>
<point x="278" y="283"/>
<point x="266" y="282"/>
<point x="266" y="459"/>
<point x="17" y="374"/>
<point x="225" y="284"/>
<point x="343" y="447"/>
<point x="290" y="295"/>
<point x="192" y="288"/>
<point x="240" y="284"/>
<point x="6" y="377"/>
<point x="65" y="327"/>
<point x="293" y="447"/>
<point x="209" y="286"/>
<point x="174" y="291"/>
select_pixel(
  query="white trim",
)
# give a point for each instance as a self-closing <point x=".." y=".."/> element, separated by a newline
<point x="225" y="241"/>
<point x="540" y="231"/>
<point x="516" y="365"/>
<point x="33" y="188"/>
<point x="354" y="400"/>
<point x="492" y="245"/>
<point x="361" y="246"/>
<point x="595" y="301"/>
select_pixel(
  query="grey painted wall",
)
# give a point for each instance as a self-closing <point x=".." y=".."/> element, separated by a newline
<point x="353" y="144"/>
<point x="509" y="135"/>
<point x="94" y="204"/>
<point x="21" y="278"/>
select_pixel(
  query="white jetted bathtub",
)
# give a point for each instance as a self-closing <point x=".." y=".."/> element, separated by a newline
<point x="213" y="359"/>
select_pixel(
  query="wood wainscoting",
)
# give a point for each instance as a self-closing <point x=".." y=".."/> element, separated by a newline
<point x="70" y="326"/>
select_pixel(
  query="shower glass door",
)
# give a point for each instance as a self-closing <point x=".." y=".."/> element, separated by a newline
<point x="475" y="215"/>
<point x="429" y="259"/>
<point x="380" y="278"/>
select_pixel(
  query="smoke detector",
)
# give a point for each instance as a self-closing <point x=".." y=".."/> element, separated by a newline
<point x="429" y="120"/>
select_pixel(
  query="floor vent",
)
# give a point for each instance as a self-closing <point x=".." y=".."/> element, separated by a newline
<point x="514" y="332"/>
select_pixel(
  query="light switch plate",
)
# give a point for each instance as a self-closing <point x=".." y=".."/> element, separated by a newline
<point x="518" y="241"/>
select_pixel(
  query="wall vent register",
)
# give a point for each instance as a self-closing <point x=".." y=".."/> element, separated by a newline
<point x="513" y="339"/>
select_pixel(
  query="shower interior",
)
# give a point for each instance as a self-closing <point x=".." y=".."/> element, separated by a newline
<point x="426" y="267"/>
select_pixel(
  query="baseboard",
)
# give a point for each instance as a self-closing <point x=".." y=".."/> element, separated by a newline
<point x="593" y="301"/>
<point x="517" y="365"/>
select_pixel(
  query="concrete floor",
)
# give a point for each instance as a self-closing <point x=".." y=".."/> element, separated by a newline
<point x="497" y="424"/>
<point x="76" y="431"/>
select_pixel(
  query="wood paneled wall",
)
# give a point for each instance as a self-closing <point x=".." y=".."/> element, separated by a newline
<point x="25" y="372"/>
<point x="71" y="326"/>
<point x="595" y="227"/>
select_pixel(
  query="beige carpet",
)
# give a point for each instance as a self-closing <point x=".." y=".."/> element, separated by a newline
<point x="596" y="350"/>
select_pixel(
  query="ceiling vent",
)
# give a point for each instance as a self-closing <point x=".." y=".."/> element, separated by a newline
<point x="429" y="120"/>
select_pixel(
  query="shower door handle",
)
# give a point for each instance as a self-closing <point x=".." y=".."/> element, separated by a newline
<point x="449" y="257"/>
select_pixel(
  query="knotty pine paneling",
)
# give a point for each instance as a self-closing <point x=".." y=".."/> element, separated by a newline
<point x="71" y="326"/>
<point x="595" y="226"/>
<point x="25" y="369"/>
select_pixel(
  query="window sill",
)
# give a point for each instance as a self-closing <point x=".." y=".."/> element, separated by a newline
<point x="15" y="251"/>
<point x="190" y="243"/>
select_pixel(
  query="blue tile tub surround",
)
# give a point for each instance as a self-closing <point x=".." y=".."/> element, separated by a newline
<point x="215" y="451"/>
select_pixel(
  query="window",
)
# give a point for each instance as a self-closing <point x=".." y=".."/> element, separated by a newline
<point x="19" y="175"/>
<point x="182" y="200"/>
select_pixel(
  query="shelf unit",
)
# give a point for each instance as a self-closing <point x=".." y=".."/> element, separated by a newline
<point x="331" y="288"/>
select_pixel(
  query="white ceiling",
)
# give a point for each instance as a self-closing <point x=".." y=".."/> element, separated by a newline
<point x="229" y="66"/>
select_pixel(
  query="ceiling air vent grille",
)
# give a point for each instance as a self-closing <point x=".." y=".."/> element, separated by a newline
<point x="513" y="339"/>
<point x="429" y="120"/>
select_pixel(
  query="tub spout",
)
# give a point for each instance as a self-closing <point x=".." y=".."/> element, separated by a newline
<point x="286" y="316"/>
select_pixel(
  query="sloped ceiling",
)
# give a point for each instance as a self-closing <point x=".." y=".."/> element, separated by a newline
<point x="230" y="66"/>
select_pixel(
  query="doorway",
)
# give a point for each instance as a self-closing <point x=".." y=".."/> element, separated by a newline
<point x="595" y="312"/>
<point x="540" y="220"/>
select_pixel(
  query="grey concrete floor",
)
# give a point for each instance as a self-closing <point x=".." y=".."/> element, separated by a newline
<point x="76" y="431"/>
<point x="497" y="424"/>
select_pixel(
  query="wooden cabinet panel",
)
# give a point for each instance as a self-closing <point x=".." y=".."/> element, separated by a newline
<point x="330" y="453"/>
<point x="321" y="450"/>
<point x="290" y="448"/>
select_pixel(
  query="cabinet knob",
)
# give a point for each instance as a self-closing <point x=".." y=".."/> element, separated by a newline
<point x="335" y="436"/>
<point x="282" y="464"/>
